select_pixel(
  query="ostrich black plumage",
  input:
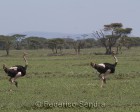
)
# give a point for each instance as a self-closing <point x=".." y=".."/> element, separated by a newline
<point x="16" y="71"/>
<point x="105" y="68"/>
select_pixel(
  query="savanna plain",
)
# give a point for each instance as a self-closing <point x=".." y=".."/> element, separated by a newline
<point x="67" y="83"/>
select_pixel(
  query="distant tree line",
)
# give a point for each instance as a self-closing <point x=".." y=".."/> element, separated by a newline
<point x="112" y="35"/>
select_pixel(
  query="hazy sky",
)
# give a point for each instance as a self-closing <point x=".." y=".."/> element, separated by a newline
<point x="67" y="16"/>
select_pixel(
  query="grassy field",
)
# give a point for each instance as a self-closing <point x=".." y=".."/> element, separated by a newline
<point x="68" y="83"/>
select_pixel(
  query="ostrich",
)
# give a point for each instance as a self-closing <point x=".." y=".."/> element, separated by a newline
<point x="17" y="71"/>
<point x="105" y="68"/>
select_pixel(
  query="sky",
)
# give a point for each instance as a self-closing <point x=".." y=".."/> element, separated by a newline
<point x="67" y="16"/>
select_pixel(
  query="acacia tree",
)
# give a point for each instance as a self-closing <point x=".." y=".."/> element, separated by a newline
<point x="56" y="44"/>
<point x="73" y="44"/>
<point x="6" y="43"/>
<point x="18" y="40"/>
<point x="77" y="45"/>
<point x="110" y="34"/>
<point x="124" y="40"/>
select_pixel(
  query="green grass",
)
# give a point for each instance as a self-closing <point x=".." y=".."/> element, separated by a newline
<point x="69" y="80"/>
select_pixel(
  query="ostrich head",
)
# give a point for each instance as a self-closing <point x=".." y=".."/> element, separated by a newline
<point x="92" y="64"/>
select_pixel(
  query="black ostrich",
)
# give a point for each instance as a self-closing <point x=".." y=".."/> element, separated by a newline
<point x="17" y="71"/>
<point x="105" y="68"/>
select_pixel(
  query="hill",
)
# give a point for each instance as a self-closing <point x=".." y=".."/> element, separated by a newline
<point x="54" y="35"/>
